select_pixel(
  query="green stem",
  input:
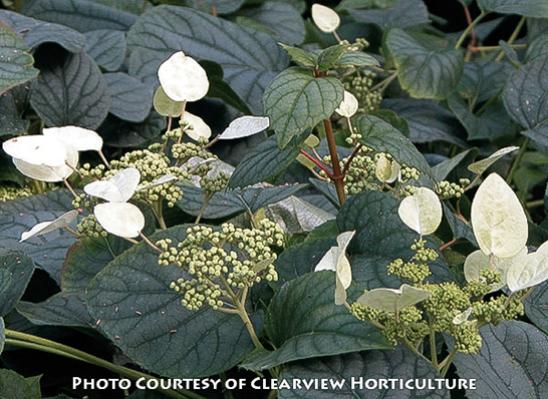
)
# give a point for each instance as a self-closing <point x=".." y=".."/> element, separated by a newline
<point x="512" y="38"/>
<point x="412" y="348"/>
<point x="27" y="341"/>
<point x="469" y="29"/>
<point x="517" y="161"/>
<point x="444" y="366"/>
<point x="207" y="198"/>
<point x="433" y="349"/>
<point x="535" y="204"/>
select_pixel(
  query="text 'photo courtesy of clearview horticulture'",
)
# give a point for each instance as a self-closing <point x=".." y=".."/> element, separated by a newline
<point x="273" y="199"/>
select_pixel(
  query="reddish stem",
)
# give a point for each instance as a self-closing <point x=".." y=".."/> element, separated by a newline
<point x="317" y="162"/>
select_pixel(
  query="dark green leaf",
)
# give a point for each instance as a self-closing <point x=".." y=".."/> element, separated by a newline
<point x="304" y="322"/>
<point x="381" y="237"/>
<point x="280" y="19"/>
<point x="15" y="272"/>
<point x="327" y="189"/>
<point x="219" y="88"/>
<point x="376" y="365"/>
<point x="329" y="57"/>
<point x="82" y="15"/>
<point x="231" y="202"/>
<point x="538" y="48"/>
<point x="301" y="57"/>
<point x="482" y="80"/>
<point x="134" y="306"/>
<point x="36" y="32"/>
<point x="11" y="123"/>
<point x="86" y="258"/>
<point x="536" y="306"/>
<point x="383" y="137"/>
<point x="15" y="61"/>
<point x="511" y="363"/>
<point x="402" y="14"/>
<point x="525" y="98"/>
<point x="427" y="120"/>
<point x="528" y="8"/>
<point x="250" y="59"/>
<point x="491" y="124"/>
<point x="442" y="170"/>
<point x="221" y="6"/>
<point x="357" y="59"/>
<point x="263" y="163"/>
<point x="107" y="47"/>
<point x="459" y="227"/>
<point x="119" y="133"/>
<point x="423" y="71"/>
<point x="296" y="101"/>
<point x="300" y="259"/>
<point x="14" y="386"/>
<point x="131" y="100"/>
<point x="48" y="252"/>
<point x="62" y="309"/>
<point x="73" y="92"/>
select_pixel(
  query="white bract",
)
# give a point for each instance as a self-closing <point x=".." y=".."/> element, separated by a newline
<point x="75" y="137"/>
<point x="498" y="219"/>
<point x="119" y="188"/>
<point x="481" y="166"/>
<point x="393" y="300"/>
<point x="37" y="150"/>
<point x="326" y="19"/>
<point x="532" y="271"/>
<point x="159" y="181"/>
<point x="477" y="261"/>
<point x="386" y="170"/>
<point x="335" y="260"/>
<point x="349" y="105"/>
<point x="50" y="174"/>
<point x="462" y="317"/>
<point x="182" y="78"/>
<point x="421" y="211"/>
<point x="49" y="226"/>
<point x="196" y="128"/>
<point x="120" y="218"/>
<point x="245" y="126"/>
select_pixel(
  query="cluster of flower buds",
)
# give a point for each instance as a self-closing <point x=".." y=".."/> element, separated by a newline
<point x="447" y="189"/>
<point x="360" y="85"/>
<point x="9" y="193"/>
<point x="220" y="263"/>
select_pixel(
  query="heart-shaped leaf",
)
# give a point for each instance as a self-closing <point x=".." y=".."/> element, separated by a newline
<point x="15" y="272"/>
<point x="15" y="61"/>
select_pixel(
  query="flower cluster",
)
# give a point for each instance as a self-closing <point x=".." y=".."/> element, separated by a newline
<point x="447" y="189"/>
<point x="360" y="85"/>
<point x="220" y="263"/>
<point x="9" y="193"/>
<point x="416" y="270"/>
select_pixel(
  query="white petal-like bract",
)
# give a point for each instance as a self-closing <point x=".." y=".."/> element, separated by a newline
<point x="349" y="105"/>
<point x="245" y="126"/>
<point x="421" y="211"/>
<point x="182" y="78"/>
<point x="37" y="150"/>
<point x="120" y="218"/>
<point x="46" y="227"/>
<point x="498" y="219"/>
<point x="49" y="174"/>
<point x="119" y="188"/>
<point x="325" y="18"/>
<point x="481" y="166"/>
<point x="393" y="300"/>
<point x="531" y="271"/>
<point x="336" y="260"/>
<point x="76" y="137"/>
<point x="196" y="128"/>
<point x="462" y="317"/>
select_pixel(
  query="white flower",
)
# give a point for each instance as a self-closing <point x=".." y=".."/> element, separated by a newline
<point x="245" y="126"/>
<point x="76" y="137"/>
<point x="326" y="19"/>
<point x="119" y="188"/>
<point x="183" y="79"/>
<point x="421" y="211"/>
<point x="349" y="105"/>
<point x="335" y="259"/>
<point x="498" y="220"/>
<point x="393" y="300"/>
<point x="196" y="128"/>
<point x="120" y="218"/>
<point x="49" y="226"/>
